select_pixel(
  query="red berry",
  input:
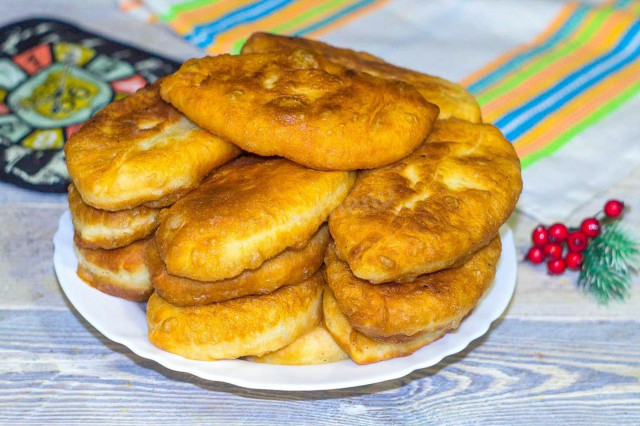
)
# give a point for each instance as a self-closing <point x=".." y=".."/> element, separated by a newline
<point x="577" y="241"/>
<point x="535" y="255"/>
<point x="556" y="266"/>
<point x="540" y="236"/>
<point x="613" y="208"/>
<point x="573" y="260"/>
<point x="553" y="250"/>
<point x="590" y="227"/>
<point x="558" y="232"/>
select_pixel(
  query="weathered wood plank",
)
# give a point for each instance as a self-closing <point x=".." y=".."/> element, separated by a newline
<point x="27" y="277"/>
<point x="10" y="194"/>
<point x="54" y="367"/>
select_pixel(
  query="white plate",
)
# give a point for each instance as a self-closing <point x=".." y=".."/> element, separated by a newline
<point x="125" y="322"/>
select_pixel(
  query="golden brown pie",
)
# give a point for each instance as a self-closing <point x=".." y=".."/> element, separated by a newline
<point x="251" y="325"/>
<point x="140" y="149"/>
<point x="315" y="347"/>
<point x="397" y="312"/>
<point x="288" y="267"/>
<point x="120" y="272"/>
<point x="452" y="99"/>
<point x="431" y="210"/>
<point x="300" y="106"/>
<point x="363" y="349"/>
<point x="97" y="228"/>
<point x="245" y="213"/>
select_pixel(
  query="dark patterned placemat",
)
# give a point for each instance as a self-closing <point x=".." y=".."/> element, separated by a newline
<point x="53" y="77"/>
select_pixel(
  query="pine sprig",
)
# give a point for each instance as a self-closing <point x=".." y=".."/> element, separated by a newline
<point x="610" y="260"/>
<point x="621" y="250"/>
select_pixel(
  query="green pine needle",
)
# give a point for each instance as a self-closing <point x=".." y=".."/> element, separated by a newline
<point x="610" y="259"/>
<point x="621" y="250"/>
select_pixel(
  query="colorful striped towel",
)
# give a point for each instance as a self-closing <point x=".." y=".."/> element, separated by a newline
<point x="560" y="79"/>
<point x="222" y="26"/>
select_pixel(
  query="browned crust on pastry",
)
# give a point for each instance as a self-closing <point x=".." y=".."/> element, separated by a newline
<point x="261" y="42"/>
<point x="315" y="347"/>
<point x="168" y="200"/>
<point x="300" y="106"/>
<point x="363" y="349"/>
<point x="432" y="302"/>
<point x="119" y="272"/>
<point x="431" y="210"/>
<point x="245" y="213"/>
<point x="140" y="149"/>
<point x="289" y="267"/>
<point x="251" y="325"/>
<point x="452" y="98"/>
<point x="97" y="228"/>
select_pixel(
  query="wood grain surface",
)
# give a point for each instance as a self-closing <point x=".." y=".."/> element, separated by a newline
<point x="554" y="357"/>
<point x="59" y="369"/>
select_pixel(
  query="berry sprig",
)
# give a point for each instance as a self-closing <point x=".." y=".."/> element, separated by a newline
<point x="604" y="254"/>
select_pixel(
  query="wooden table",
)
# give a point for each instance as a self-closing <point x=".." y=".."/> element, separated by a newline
<point x="553" y="357"/>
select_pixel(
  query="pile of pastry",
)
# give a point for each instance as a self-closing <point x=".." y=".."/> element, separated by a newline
<point x="298" y="203"/>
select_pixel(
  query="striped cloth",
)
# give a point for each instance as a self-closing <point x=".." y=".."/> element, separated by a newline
<point x="222" y="26"/>
<point x="581" y="69"/>
<point x="560" y="79"/>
